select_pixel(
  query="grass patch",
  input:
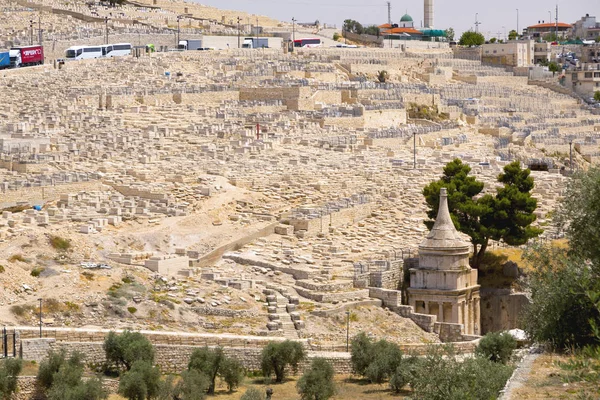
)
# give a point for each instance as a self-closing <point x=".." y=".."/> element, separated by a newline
<point x="20" y="310"/>
<point x="37" y="271"/>
<point x="18" y="257"/>
<point x="132" y="310"/>
<point x="88" y="275"/>
<point x="59" y="243"/>
<point x="126" y="290"/>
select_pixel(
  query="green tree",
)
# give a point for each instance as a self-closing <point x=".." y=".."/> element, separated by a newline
<point x="232" y="373"/>
<point x="192" y="386"/>
<point x="493" y="40"/>
<point x="450" y="34"/>
<point x="597" y="93"/>
<point x="10" y="369"/>
<point x="278" y="356"/>
<point x="317" y="381"/>
<point x="141" y="382"/>
<point x="513" y="35"/>
<point x="386" y="357"/>
<point x="126" y="348"/>
<point x="598" y="39"/>
<point x="506" y="216"/>
<point x="405" y="373"/>
<point x="360" y="355"/>
<point x="69" y="385"/>
<point x="372" y="30"/>
<point x="213" y="363"/>
<point x="50" y="366"/>
<point x="565" y="297"/>
<point x="336" y="36"/>
<point x="550" y="37"/>
<point x="470" y="38"/>
<point x="353" y="26"/>
<point x="554" y="67"/>
<point x="496" y="346"/>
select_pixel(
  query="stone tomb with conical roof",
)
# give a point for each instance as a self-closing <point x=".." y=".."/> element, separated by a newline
<point x="444" y="284"/>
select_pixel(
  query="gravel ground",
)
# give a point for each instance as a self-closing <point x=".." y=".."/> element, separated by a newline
<point x="521" y="374"/>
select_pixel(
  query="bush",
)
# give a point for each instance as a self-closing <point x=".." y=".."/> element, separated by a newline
<point x="277" y="356"/>
<point x="132" y="310"/>
<point x="141" y="382"/>
<point x="37" y="271"/>
<point x="376" y="361"/>
<point x="360" y="356"/>
<point x="561" y="309"/>
<point x="496" y="347"/>
<point x="125" y="349"/>
<point x="336" y="36"/>
<point x="253" y="394"/>
<point x="404" y="374"/>
<point x="232" y="373"/>
<point x="10" y="369"/>
<point x="317" y="382"/>
<point x="17" y="257"/>
<point x="441" y="376"/>
<point x="59" y="243"/>
<point x="68" y="385"/>
<point x="192" y="386"/>
<point x="53" y="363"/>
<point x="1" y="269"/>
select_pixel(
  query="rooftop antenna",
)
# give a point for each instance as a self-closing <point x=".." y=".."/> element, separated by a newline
<point x="477" y="23"/>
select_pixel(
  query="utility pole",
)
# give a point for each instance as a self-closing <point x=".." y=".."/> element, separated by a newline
<point x="389" y="6"/>
<point x="40" y="299"/>
<point x="30" y="31"/>
<point x="556" y="22"/>
<point x="40" y="28"/>
<point x="571" y="154"/>
<point x="238" y="26"/>
<point x="178" y="19"/>
<point x="518" y="33"/>
<point x="106" y="28"/>
<point x="257" y="31"/>
<point x="293" y="33"/>
<point x="347" y="331"/>
<point x="414" y="150"/>
<point x="477" y="23"/>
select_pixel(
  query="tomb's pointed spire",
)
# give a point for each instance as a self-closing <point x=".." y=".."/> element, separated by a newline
<point x="443" y="234"/>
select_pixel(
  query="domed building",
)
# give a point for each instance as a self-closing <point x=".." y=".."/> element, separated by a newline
<point x="406" y="22"/>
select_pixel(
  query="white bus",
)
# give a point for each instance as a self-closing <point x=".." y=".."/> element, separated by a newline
<point x="83" y="52"/>
<point x="115" y="50"/>
<point x="308" y="42"/>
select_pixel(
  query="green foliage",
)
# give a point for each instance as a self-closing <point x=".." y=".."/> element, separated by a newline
<point x="596" y="97"/>
<point x="442" y="376"/>
<point x="336" y="36"/>
<point x="471" y="38"/>
<point x="579" y="216"/>
<point x="132" y="310"/>
<point x="550" y="37"/>
<point x="212" y="363"/>
<point x="372" y="30"/>
<point x="382" y="76"/>
<point x="10" y="369"/>
<point x="513" y="35"/>
<point x="17" y="257"/>
<point x="141" y="382"/>
<point x="598" y="39"/>
<point x="53" y="363"/>
<point x="360" y="356"/>
<point x="59" y="243"/>
<point x="353" y="26"/>
<point x="69" y="385"/>
<point x="496" y="346"/>
<point x="232" y="372"/>
<point x="1" y="269"/>
<point x="507" y="216"/>
<point x="253" y="394"/>
<point x="554" y="67"/>
<point x="192" y="386"/>
<point x="565" y="298"/>
<point x="377" y="361"/>
<point x="277" y="356"/>
<point x="37" y="271"/>
<point x="450" y="34"/>
<point x="405" y="373"/>
<point x="317" y="382"/>
<point x="493" y="40"/>
<point x="126" y="348"/>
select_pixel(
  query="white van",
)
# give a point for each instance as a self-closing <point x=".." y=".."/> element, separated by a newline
<point x="116" y="50"/>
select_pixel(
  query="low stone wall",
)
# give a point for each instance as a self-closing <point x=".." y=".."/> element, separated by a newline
<point x="27" y="388"/>
<point x="330" y="297"/>
<point x="347" y="306"/>
<point x="170" y="359"/>
<point x="390" y="298"/>
<point x="424" y="321"/>
<point x="297" y="273"/>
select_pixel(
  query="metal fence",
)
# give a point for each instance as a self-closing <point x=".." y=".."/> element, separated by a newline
<point x="8" y="344"/>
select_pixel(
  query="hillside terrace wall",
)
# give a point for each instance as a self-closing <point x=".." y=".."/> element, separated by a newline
<point x="336" y="219"/>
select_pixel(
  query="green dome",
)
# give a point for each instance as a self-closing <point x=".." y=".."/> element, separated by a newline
<point x="406" y="18"/>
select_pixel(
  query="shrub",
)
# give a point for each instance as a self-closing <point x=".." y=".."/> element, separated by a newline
<point x="125" y="349"/>
<point x="277" y="356"/>
<point x="317" y="382"/>
<point x="336" y="36"/>
<point x="404" y="374"/>
<point x="496" y="346"/>
<point x="37" y="271"/>
<point x="192" y="386"/>
<point x="141" y="382"/>
<point x="385" y="359"/>
<point x="360" y="356"/>
<point x="17" y="257"/>
<point x="52" y="364"/>
<point x="253" y="394"/>
<point x="232" y="372"/>
<point x="68" y="385"/>
<point x="1" y="269"/>
<point x="132" y="310"/>
<point x="10" y="369"/>
<point x="442" y="376"/>
<point x="59" y="243"/>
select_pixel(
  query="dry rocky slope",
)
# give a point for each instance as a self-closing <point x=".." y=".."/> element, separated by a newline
<point x="245" y="191"/>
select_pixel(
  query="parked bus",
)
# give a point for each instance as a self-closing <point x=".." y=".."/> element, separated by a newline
<point x="83" y="52"/>
<point x="308" y="42"/>
<point x="116" y="50"/>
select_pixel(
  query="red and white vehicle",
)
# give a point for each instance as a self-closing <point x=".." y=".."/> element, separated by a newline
<point x="24" y="56"/>
<point x="308" y="42"/>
